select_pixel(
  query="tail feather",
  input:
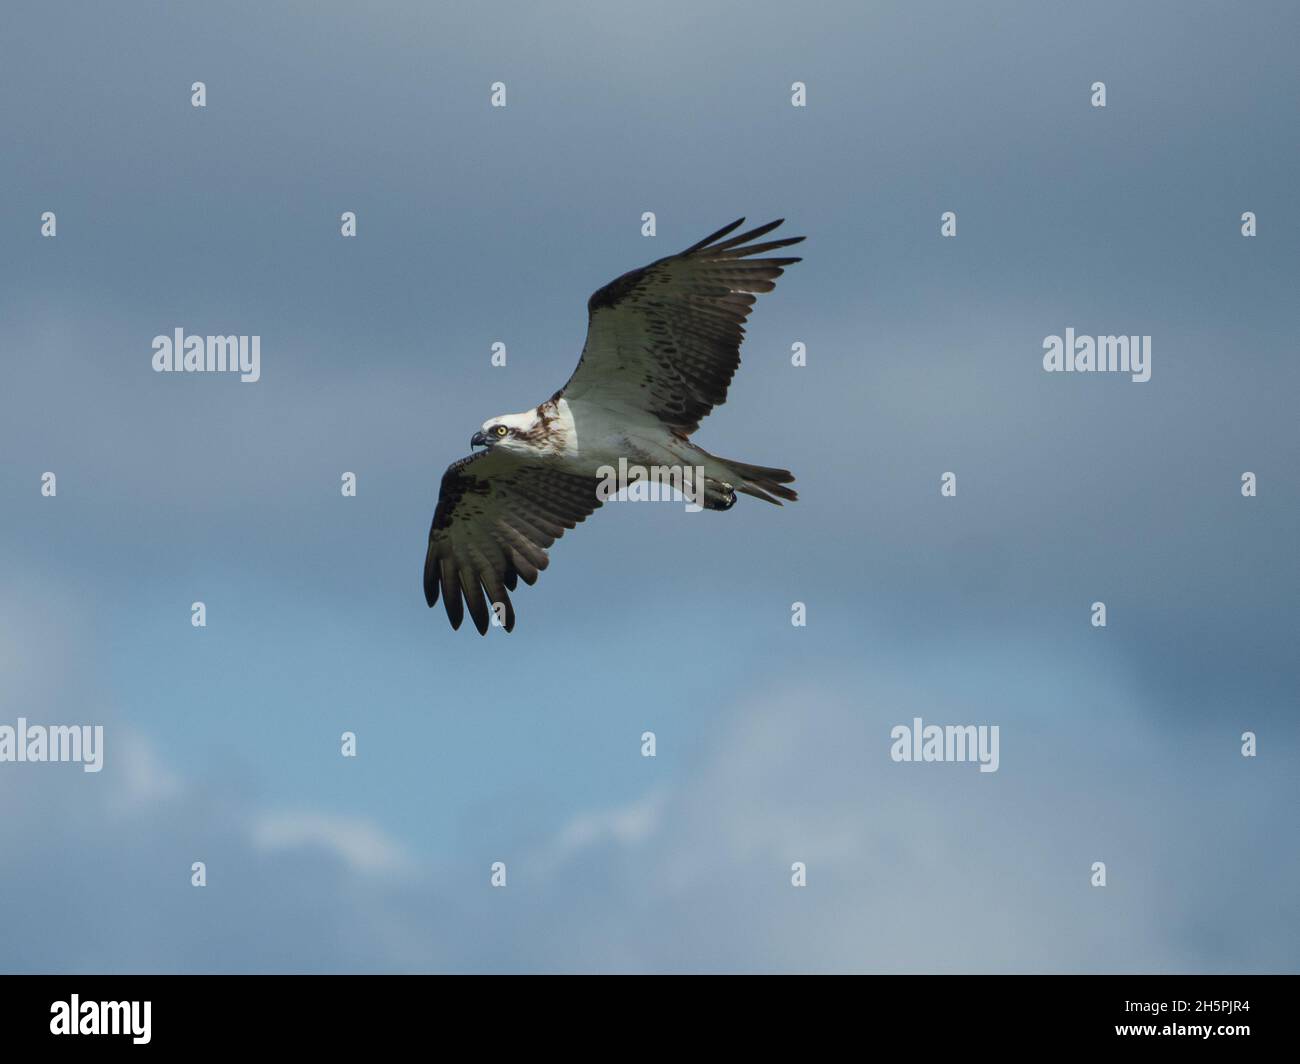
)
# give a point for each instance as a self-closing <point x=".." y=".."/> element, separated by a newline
<point x="762" y="482"/>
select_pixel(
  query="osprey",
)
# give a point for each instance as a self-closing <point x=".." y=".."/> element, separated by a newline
<point x="663" y="343"/>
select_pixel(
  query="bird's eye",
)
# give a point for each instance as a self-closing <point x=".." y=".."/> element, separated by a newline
<point x="500" y="430"/>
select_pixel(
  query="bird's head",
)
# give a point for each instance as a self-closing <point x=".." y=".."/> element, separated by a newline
<point x="518" y="433"/>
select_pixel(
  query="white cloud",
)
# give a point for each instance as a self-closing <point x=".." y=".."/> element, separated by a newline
<point x="911" y="867"/>
<point x="359" y="842"/>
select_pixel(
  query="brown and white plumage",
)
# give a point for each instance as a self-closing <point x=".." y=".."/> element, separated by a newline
<point x="665" y="339"/>
<point x="496" y="515"/>
<point x="663" y="343"/>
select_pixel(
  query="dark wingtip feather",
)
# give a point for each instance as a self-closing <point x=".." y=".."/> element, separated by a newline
<point x="451" y="593"/>
<point x="740" y="253"/>
<point x="715" y="236"/>
<point x="478" y="608"/>
<point x="745" y="238"/>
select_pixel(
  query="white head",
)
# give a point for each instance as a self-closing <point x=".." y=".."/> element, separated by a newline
<point x="524" y="434"/>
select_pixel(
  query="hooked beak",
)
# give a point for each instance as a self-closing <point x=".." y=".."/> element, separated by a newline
<point x="479" y="440"/>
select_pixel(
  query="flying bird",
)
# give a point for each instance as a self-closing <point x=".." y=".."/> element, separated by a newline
<point x="663" y="343"/>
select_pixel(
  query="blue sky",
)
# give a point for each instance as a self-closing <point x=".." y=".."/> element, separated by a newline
<point x="924" y="355"/>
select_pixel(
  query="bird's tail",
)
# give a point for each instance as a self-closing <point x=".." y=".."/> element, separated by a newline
<point x="762" y="482"/>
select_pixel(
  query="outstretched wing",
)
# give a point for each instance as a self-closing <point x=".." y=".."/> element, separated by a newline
<point x="665" y="339"/>
<point x="496" y="516"/>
